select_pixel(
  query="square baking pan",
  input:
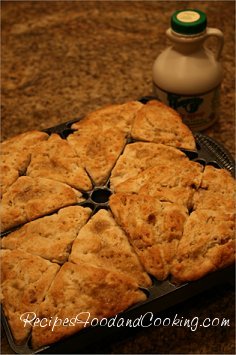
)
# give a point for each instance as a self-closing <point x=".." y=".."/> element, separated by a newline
<point x="162" y="294"/>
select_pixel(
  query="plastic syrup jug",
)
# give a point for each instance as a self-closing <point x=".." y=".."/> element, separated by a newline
<point x="187" y="75"/>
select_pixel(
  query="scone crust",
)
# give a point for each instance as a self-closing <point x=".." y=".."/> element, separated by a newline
<point x="98" y="151"/>
<point x="217" y="190"/>
<point x="140" y="156"/>
<point x="15" y="156"/>
<point x="28" y="199"/>
<point x="102" y="243"/>
<point x="120" y="116"/>
<point x="15" y="151"/>
<point x="50" y="237"/>
<point x="167" y="181"/>
<point x="89" y="289"/>
<point x="154" y="229"/>
<point x="25" y="279"/>
<point x="64" y="167"/>
<point x="208" y="244"/>
<point x="156" y="122"/>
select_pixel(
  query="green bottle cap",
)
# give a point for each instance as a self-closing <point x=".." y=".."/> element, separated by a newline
<point x="189" y="21"/>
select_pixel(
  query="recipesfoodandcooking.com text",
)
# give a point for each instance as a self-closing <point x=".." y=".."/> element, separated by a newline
<point x="146" y="320"/>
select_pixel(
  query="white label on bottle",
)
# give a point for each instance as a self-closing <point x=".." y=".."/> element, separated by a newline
<point x="197" y="111"/>
<point x="188" y="16"/>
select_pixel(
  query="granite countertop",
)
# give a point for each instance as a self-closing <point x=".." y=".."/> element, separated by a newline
<point x="63" y="59"/>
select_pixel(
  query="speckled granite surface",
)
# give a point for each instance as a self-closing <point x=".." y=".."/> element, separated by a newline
<point x="63" y="59"/>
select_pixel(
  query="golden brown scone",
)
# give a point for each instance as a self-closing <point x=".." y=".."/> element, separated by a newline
<point x="79" y="289"/>
<point x="102" y="243"/>
<point x="25" y="279"/>
<point x="28" y="199"/>
<point x="15" y="156"/>
<point x="156" y="122"/>
<point x="119" y="116"/>
<point x="56" y="160"/>
<point x="16" y="150"/>
<point x="167" y="181"/>
<point x="182" y="196"/>
<point x="217" y="190"/>
<point x="208" y="244"/>
<point x="140" y="156"/>
<point x="50" y="237"/>
<point x="8" y="176"/>
<point x="154" y="229"/>
<point x="97" y="151"/>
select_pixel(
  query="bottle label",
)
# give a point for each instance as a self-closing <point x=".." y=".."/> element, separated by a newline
<point x="197" y="111"/>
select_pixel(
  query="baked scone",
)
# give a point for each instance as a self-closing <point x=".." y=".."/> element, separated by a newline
<point x="140" y="156"/>
<point x="208" y="244"/>
<point x="56" y="160"/>
<point x="81" y="292"/>
<point x="217" y="190"/>
<point x="97" y="150"/>
<point x="102" y="243"/>
<point x="25" y="279"/>
<point x="15" y="156"/>
<point x="50" y="237"/>
<point x="28" y="199"/>
<point x="156" y="122"/>
<point x="16" y="150"/>
<point x="8" y="176"/>
<point x="154" y="229"/>
<point x="167" y="181"/>
<point x="119" y="116"/>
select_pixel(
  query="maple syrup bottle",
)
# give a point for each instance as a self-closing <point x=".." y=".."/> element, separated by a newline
<point x="187" y="75"/>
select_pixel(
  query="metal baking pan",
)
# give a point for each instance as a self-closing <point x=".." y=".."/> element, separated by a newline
<point x="162" y="294"/>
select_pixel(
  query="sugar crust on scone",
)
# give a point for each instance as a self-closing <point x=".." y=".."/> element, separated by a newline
<point x="25" y="279"/>
<point x="56" y="160"/>
<point x="50" y="237"/>
<point x="102" y="243"/>
<point x="120" y="116"/>
<point x="139" y="156"/>
<point x="156" y="122"/>
<point x="98" y="151"/>
<point x="217" y="190"/>
<point x="167" y="181"/>
<point x="100" y="292"/>
<point x="208" y="244"/>
<point x="28" y="199"/>
<point x="15" y="156"/>
<point x="154" y="229"/>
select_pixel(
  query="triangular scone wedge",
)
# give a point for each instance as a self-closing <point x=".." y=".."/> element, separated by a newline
<point x="168" y="181"/>
<point x="217" y="189"/>
<point x="156" y="122"/>
<point x="153" y="228"/>
<point x="98" y="151"/>
<point x="102" y="243"/>
<point x="140" y="156"/>
<point x="119" y="116"/>
<point x="25" y="279"/>
<point x="28" y="199"/>
<point x="80" y="293"/>
<point x="50" y="237"/>
<point x="15" y="156"/>
<point x="56" y="160"/>
<point x="208" y="244"/>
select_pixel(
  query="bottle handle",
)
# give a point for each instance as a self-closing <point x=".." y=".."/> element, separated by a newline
<point x="214" y="32"/>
